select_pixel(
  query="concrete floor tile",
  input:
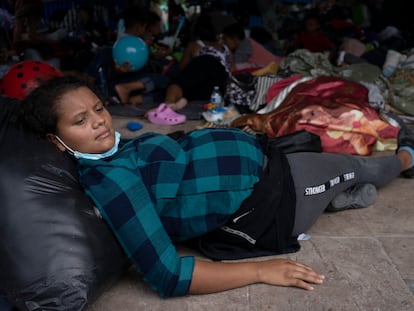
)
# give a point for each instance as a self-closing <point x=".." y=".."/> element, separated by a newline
<point x="392" y="213"/>
<point x="359" y="270"/>
<point x="132" y="294"/>
<point x="401" y="252"/>
<point x="359" y="276"/>
<point x="346" y="223"/>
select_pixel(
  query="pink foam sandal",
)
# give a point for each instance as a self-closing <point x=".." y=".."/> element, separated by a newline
<point x="164" y="115"/>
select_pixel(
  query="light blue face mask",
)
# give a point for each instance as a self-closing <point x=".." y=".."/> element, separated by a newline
<point x="93" y="156"/>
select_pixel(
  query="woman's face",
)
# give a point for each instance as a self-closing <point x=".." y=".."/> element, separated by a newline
<point x="83" y="123"/>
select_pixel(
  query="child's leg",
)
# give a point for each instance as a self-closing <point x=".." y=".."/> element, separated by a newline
<point x="174" y="97"/>
<point x="174" y="93"/>
<point x="124" y="89"/>
<point x="179" y="104"/>
<point x="136" y="100"/>
<point x="320" y="177"/>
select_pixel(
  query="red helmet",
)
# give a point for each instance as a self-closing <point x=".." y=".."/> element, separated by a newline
<point x="25" y="76"/>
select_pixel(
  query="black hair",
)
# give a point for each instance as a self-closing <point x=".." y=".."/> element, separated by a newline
<point x="135" y="15"/>
<point x="176" y="9"/>
<point x="38" y="111"/>
<point x="260" y="34"/>
<point x="153" y="18"/>
<point x="312" y="15"/>
<point x="203" y="28"/>
<point x="234" y="30"/>
<point x="213" y="6"/>
<point x="87" y="8"/>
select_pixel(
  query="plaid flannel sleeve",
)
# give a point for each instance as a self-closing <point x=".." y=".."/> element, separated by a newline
<point x="126" y="205"/>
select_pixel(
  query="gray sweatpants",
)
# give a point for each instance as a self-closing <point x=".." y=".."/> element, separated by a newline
<point x="320" y="177"/>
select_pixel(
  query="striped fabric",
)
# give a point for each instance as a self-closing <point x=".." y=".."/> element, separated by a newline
<point x="157" y="190"/>
<point x="69" y="21"/>
<point x="263" y="83"/>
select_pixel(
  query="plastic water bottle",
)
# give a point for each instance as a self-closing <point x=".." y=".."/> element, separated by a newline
<point x="102" y="82"/>
<point x="121" y="27"/>
<point x="216" y="97"/>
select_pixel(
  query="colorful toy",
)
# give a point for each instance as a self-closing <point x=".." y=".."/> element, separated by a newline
<point x="130" y="49"/>
<point x="209" y="106"/>
<point x="134" y="126"/>
<point x="25" y="76"/>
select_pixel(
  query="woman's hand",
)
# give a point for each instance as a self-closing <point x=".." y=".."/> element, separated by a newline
<point x="286" y="272"/>
<point x="210" y="277"/>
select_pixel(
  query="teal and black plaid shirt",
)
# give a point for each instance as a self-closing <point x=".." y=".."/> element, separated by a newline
<point x="156" y="190"/>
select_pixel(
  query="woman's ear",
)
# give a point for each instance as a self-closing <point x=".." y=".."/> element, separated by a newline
<point x="52" y="138"/>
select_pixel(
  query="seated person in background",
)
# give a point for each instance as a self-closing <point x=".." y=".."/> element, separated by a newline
<point x="219" y="16"/>
<point x="266" y="38"/>
<point x="153" y="31"/>
<point x="196" y="82"/>
<point x="206" y="63"/>
<point x="205" y="42"/>
<point x="247" y="53"/>
<point x="131" y="87"/>
<point x="161" y="58"/>
<point x="312" y="38"/>
<point x="27" y="14"/>
<point x="81" y="24"/>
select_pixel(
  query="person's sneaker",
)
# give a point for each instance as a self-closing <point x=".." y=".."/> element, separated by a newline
<point x="359" y="196"/>
<point x="406" y="139"/>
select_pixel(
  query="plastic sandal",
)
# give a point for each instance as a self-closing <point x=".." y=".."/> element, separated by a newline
<point x="164" y="115"/>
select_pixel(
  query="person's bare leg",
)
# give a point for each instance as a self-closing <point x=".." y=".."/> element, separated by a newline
<point x="122" y="93"/>
<point x="174" y="97"/>
<point x="173" y="94"/>
<point x="179" y="104"/>
<point x="124" y="89"/>
<point x="135" y="100"/>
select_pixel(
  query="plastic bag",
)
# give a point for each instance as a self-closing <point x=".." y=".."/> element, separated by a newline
<point x="56" y="254"/>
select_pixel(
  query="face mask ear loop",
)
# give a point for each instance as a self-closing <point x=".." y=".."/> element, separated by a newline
<point x="68" y="149"/>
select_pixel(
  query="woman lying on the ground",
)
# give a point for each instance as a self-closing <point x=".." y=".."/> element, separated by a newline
<point x="154" y="190"/>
